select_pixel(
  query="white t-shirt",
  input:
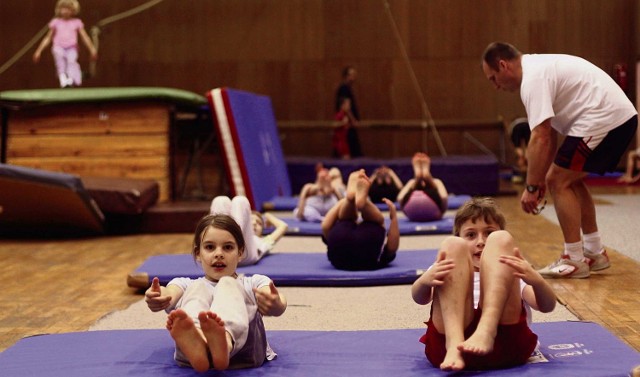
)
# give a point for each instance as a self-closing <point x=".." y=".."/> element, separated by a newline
<point x="580" y="98"/>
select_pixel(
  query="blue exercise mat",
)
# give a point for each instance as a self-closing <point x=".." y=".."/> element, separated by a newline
<point x="305" y="228"/>
<point x="248" y="134"/>
<point x="291" y="269"/>
<point x="289" y="203"/>
<point x="570" y="348"/>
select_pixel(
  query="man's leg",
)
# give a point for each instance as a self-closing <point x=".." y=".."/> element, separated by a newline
<point x="593" y="249"/>
<point x="500" y="296"/>
<point x="572" y="203"/>
<point x="452" y="306"/>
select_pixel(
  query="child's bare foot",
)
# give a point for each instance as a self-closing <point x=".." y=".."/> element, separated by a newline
<point x="480" y="343"/>
<point x="188" y="339"/>
<point x="352" y="183"/>
<point x="415" y="163"/>
<point x="425" y="165"/>
<point x="453" y="360"/>
<point x="624" y="179"/>
<point x="213" y="329"/>
<point x="362" y="191"/>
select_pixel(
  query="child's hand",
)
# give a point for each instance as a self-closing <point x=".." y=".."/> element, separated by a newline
<point x="392" y="208"/>
<point x="440" y="269"/>
<point x="268" y="302"/>
<point x="521" y="268"/>
<point x="154" y="299"/>
<point x="36" y="56"/>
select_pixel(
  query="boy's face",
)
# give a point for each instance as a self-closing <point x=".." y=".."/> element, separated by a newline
<point x="257" y="224"/>
<point x="218" y="254"/>
<point x="475" y="234"/>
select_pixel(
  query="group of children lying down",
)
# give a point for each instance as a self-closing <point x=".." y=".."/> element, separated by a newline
<point x="422" y="198"/>
<point x="480" y="288"/>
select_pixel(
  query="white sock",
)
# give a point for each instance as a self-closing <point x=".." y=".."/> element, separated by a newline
<point x="63" y="80"/>
<point x="574" y="250"/>
<point x="592" y="242"/>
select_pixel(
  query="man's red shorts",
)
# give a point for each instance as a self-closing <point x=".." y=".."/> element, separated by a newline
<point x="513" y="345"/>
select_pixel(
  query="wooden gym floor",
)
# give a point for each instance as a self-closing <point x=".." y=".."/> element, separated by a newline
<point x="67" y="285"/>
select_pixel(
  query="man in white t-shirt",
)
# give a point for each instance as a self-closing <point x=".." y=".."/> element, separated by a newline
<point x="570" y="96"/>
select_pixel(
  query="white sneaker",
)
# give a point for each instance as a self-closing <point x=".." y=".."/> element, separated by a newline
<point x="566" y="268"/>
<point x="597" y="261"/>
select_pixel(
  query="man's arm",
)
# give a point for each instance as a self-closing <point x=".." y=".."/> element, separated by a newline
<point x="540" y="153"/>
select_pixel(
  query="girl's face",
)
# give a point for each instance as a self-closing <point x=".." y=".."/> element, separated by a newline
<point x="346" y="104"/>
<point x="66" y="12"/>
<point x="218" y="254"/>
<point x="475" y="234"/>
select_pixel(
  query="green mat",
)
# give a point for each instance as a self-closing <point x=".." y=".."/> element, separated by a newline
<point x="35" y="97"/>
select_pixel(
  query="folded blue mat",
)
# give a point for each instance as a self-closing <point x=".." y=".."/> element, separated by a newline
<point x="55" y="203"/>
<point x="305" y="228"/>
<point x="570" y="348"/>
<point x="289" y="203"/>
<point x="291" y="269"/>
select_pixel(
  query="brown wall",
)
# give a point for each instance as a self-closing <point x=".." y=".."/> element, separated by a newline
<point x="294" y="50"/>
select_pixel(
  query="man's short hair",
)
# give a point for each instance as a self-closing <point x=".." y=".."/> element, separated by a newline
<point x="497" y="51"/>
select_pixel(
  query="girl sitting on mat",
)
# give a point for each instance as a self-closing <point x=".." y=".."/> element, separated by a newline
<point x="316" y="199"/>
<point x="481" y="292"/>
<point x="354" y="230"/>
<point x="216" y="320"/>
<point x="252" y="224"/>
<point x="423" y="197"/>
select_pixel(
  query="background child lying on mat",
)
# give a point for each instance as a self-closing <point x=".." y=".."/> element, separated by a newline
<point x="423" y="197"/>
<point x="385" y="183"/>
<point x="633" y="164"/>
<point x="354" y="229"/>
<point x="252" y="224"/>
<point x="316" y="199"/>
<point x="216" y="320"/>
<point x="482" y="292"/>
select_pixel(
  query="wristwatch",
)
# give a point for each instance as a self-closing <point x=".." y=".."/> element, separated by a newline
<point x="532" y="188"/>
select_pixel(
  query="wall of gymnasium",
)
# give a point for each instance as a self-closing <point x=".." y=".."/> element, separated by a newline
<point x="294" y="50"/>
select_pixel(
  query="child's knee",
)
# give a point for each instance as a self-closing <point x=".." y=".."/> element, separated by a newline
<point x="502" y="240"/>
<point x="241" y="201"/>
<point x="220" y="205"/>
<point x="454" y="247"/>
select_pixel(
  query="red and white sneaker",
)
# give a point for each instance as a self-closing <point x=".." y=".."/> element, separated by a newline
<point x="566" y="268"/>
<point x="597" y="261"/>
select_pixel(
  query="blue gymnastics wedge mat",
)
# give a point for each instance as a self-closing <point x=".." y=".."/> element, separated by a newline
<point x="248" y="134"/>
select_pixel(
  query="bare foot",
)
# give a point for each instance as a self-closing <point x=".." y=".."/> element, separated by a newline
<point x="362" y="191"/>
<point x="453" y="360"/>
<point x="188" y="339"/>
<point x="425" y="165"/>
<point x="624" y="179"/>
<point x="415" y="162"/>
<point x="352" y="183"/>
<point x="480" y="343"/>
<point x="213" y="329"/>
